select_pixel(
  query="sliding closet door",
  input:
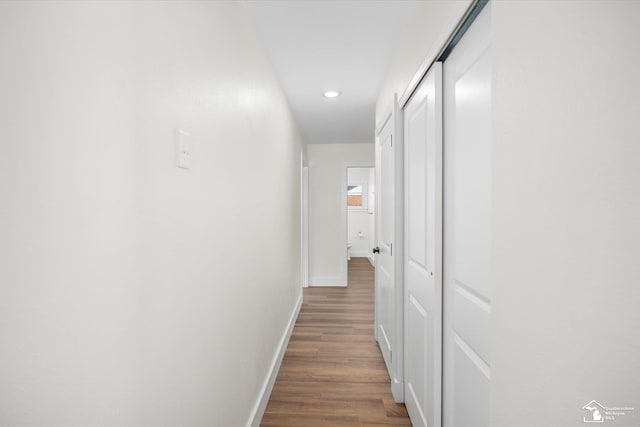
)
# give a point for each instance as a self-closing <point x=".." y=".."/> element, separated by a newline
<point x="467" y="227"/>
<point x="423" y="248"/>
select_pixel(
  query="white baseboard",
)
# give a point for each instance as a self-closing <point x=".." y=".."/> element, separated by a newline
<point x="328" y="281"/>
<point x="397" y="390"/>
<point x="359" y="254"/>
<point x="371" y="260"/>
<point x="261" y="404"/>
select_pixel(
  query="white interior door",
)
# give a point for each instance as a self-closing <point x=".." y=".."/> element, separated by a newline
<point x="467" y="227"/>
<point x="423" y="250"/>
<point x="385" y="233"/>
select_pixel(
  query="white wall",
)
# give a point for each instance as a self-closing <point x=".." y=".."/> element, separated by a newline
<point x="360" y="220"/>
<point x="327" y="224"/>
<point x="69" y="326"/>
<point x="133" y="292"/>
<point x="566" y="184"/>
<point x="429" y="20"/>
<point x="565" y="211"/>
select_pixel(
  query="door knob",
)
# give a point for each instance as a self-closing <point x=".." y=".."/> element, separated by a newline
<point x="376" y="250"/>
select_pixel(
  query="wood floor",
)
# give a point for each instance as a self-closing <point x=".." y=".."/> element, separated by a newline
<point x="333" y="373"/>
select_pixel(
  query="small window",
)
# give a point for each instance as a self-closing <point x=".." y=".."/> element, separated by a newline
<point x="356" y="196"/>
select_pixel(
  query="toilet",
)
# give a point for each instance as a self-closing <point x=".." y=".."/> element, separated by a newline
<point x="348" y="248"/>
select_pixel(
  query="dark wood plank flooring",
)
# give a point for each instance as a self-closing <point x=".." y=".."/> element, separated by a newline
<point x="333" y="373"/>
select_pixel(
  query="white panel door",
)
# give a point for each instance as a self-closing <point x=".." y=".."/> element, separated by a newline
<point x="467" y="227"/>
<point x="385" y="232"/>
<point x="423" y="250"/>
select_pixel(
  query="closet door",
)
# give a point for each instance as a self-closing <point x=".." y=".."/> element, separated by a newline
<point x="467" y="227"/>
<point x="423" y="249"/>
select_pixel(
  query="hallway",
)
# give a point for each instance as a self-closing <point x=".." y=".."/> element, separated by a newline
<point x="333" y="373"/>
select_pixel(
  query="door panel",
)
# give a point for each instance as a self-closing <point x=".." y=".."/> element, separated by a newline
<point x="467" y="228"/>
<point x="385" y="219"/>
<point x="471" y="403"/>
<point x="423" y="231"/>
<point x="473" y="189"/>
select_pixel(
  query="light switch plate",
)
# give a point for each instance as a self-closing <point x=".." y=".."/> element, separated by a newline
<point x="183" y="149"/>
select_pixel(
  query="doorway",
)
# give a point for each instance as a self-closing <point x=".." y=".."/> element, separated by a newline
<point x="360" y="202"/>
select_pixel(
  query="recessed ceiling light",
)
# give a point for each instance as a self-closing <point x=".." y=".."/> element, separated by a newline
<point x="331" y="94"/>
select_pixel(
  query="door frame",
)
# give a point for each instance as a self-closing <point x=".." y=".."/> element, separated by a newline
<point x="304" y="221"/>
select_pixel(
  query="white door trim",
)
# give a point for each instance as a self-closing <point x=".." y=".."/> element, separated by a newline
<point x="304" y="221"/>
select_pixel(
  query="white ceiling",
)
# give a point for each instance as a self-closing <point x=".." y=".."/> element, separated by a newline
<point x="342" y="45"/>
